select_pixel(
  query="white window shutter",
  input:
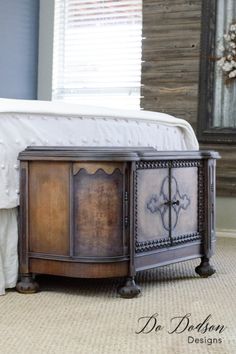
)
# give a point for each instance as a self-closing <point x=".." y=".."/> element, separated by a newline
<point x="97" y="52"/>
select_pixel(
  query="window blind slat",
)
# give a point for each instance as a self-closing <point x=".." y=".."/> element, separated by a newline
<point x="97" y="51"/>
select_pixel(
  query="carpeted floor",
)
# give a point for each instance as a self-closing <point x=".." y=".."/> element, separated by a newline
<point x="86" y="316"/>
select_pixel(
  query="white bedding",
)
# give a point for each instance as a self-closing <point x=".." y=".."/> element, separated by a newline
<point x="24" y="123"/>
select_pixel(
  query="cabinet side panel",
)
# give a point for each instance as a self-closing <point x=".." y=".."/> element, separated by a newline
<point x="49" y="207"/>
<point x="98" y="213"/>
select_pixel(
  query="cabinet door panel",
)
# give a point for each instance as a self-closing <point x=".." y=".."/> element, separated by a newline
<point x="49" y="223"/>
<point x="184" y="193"/>
<point x="98" y="212"/>
<point x="152" y="210"/>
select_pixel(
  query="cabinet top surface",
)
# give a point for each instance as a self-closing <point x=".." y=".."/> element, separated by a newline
<point x="67" y="153"/>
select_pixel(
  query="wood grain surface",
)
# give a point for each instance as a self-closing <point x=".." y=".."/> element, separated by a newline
<point x="49" y="207"/>
<point x="170" y="55"/>
<point x="98" y="213"/>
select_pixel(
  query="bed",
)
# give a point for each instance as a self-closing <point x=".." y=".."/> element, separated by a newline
<point x="41" y="123"/>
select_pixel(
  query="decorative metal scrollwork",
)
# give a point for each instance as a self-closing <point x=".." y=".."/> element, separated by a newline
<point x="160" y="203"/>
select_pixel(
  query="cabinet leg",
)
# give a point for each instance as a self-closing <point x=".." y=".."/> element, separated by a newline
<point x="205" y="269"/>
<point x="27" y="285"/>
<point x="129" y="289"/>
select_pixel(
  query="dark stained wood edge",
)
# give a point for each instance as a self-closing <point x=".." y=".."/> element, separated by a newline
<point x="183" y="155"/>
<point x="77" y="259"/>
<point x="82" y="153"/>
<point x="125" y="198"/>
<point x="209" y="236"/>
<point x="168" y="255"/>
<point x="80" y="270"/>
<point x="108" y="170"/>
<point x="23" y="221"/>
<point x="71" y="212"/>
<point x="109" y="154"/>
<point x="132" y="265"/>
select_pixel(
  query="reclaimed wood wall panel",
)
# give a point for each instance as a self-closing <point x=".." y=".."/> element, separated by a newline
<point x="170" y="54"/>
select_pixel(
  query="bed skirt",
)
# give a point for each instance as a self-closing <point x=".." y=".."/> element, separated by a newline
<point x="8" y="249"/>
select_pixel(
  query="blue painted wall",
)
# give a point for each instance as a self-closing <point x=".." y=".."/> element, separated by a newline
<point x="19" y="27"/>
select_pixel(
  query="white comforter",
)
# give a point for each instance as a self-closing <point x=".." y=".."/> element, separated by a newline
<point x="24" y="123"/>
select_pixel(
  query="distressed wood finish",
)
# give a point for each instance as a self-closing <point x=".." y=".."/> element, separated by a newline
<point x="79" y="269"/>
<point x="92" y="167"/>
<point x="170" y="53"/>
<point x="151" y="223"/>
<point x="98" y="198"/>
<point x="185" y="190"/>
<point x="49" y="197"/>
<point x="110" y="213"/>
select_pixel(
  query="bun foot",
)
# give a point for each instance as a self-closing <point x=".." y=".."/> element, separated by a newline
<point x="27" y="285"/>
<point x="129" y="289"/>
<point x="205" y="269"/>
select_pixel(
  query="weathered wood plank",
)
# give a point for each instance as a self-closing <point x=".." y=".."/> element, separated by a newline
<point x="171" y="6"/>
<point x="174" y="102"/>
<point x="176" y="30"/>
<point x="161" y="76"/>
<point x="170" y="2"/>
<point x="171" y="66"/>
<point x="171" y="51"/>
<point x="167" y="90"/>
<point x="168" y="53"/>
<point x="180" y="102"/>
<point x="173" y="18"/>
<point x="173" y="32"/>
<point x="155" y="44"/>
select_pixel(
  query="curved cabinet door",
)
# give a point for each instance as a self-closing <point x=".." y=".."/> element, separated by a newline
<point x="97" y="195"/>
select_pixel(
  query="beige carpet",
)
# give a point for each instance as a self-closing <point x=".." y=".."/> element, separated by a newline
<point x="86" y="316"/>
